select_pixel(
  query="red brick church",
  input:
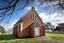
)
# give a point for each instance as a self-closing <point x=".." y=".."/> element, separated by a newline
<point x="30" y="25"/>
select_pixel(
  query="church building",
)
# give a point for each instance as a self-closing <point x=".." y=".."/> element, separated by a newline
<point x="30" y="25"/>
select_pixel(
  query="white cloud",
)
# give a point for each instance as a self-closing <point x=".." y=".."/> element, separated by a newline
<point x="28" y="8"/>
<point x="44" y="17"/>
<point x="37" y="3"/>
<point x="8" y="26"/>
<point x="53" y="18"/>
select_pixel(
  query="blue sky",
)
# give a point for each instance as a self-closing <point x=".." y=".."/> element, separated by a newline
<point x="44" y="13"/>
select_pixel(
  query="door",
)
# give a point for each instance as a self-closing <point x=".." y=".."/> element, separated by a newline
<point x="37" y="31"/>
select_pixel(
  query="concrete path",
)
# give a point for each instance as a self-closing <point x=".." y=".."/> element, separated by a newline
<point x="49" y="39"/>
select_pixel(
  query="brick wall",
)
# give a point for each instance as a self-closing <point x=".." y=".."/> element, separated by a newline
<point x="27" y="21"/>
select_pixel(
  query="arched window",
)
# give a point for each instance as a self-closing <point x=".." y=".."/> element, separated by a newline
<point x="33" y="17"/>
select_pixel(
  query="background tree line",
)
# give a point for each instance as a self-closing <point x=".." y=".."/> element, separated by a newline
<point x="49" y="26"/>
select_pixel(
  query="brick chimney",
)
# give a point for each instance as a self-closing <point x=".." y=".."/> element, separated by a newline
<point x="33" y="8"/>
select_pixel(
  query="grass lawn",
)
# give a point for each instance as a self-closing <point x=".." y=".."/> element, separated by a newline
<point x="7" y="38"/>
<point x="55" y="36"/>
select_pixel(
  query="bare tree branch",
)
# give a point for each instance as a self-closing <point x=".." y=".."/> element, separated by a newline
<point x="9" y="5"/>
<point x="6" y="1"/>
<point x="13" y="3"/>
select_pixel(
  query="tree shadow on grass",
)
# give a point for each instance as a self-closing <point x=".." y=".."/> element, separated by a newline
<point x="7" y="37"/>
<point x="10" y="37"/>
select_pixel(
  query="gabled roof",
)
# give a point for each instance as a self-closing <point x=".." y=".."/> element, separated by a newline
<point x="33" y="9"/>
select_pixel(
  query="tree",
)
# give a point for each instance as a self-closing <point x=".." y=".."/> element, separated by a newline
<point x="10" y="30"/>
<point x="7" y="7"/>
<point x="60" y="27"/>
<point x="2" y="30"/>
<point x="49" y="26"/>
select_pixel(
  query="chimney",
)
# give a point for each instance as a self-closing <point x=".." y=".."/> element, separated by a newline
<point x="33" y="8"/>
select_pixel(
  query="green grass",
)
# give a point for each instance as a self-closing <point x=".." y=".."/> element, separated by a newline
<point x="55" y="36"/>
<point x="7" y="38"/>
